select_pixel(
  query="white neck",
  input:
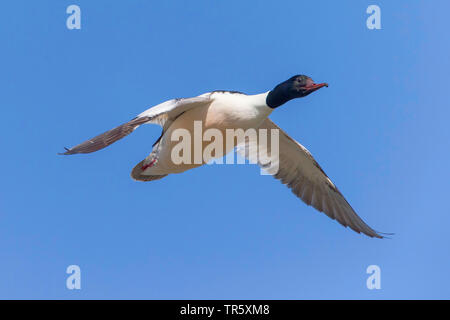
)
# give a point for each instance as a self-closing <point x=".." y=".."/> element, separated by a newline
<point x="259" y="103"/>
<point x="259" y="100"/>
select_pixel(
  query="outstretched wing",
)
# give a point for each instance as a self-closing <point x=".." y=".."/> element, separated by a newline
<point x="303" y="175"/>
<point x="162" y="114"/>
<point x="105" y="139"/>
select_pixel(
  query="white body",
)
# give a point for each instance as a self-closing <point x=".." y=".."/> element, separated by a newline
<point x="224" y="110"/>
<point x="227" y="110"/>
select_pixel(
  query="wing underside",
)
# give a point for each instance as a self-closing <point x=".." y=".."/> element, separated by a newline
<point x="297" y="168"/>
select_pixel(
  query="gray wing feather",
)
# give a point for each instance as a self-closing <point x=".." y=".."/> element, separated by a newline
<point x="303" y="175"/>
<point x="105" y="139"/>
<point x="162" y="114"/>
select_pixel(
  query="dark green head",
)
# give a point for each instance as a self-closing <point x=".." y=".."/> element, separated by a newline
<point x="296" y="87"/>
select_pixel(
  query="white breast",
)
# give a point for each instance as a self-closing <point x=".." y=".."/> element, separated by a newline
<point x="226" y="111"/>
<point x="235" y="110"/>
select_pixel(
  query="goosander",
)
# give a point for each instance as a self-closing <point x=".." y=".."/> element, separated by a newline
<point x="224" y="110"/>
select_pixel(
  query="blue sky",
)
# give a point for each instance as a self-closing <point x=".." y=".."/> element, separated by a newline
<point x="220" y="232"/>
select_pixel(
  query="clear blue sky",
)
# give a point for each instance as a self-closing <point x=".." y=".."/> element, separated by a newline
<point x="380" y="132"/>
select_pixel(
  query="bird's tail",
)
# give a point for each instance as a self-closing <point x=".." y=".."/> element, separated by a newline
<point x="138" y="173"/>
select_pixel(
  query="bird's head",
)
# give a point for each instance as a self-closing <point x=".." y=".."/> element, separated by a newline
<point x="295" y="87"/>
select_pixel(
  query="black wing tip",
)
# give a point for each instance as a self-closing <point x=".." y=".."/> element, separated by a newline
<point x="385" y="235"/>
<point x="378" y="234"/>
<point x="68" y="152"/>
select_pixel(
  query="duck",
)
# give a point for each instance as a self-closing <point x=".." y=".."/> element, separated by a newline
<point x="225" y="110"/>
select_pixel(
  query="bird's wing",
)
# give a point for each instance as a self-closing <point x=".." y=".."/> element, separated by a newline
<point x="165" y="113"/>
<point x="162" y="114"/>
<point x="296" y="168"/>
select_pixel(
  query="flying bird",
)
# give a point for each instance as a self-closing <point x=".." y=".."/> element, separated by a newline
<point x="224" y="110"/>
